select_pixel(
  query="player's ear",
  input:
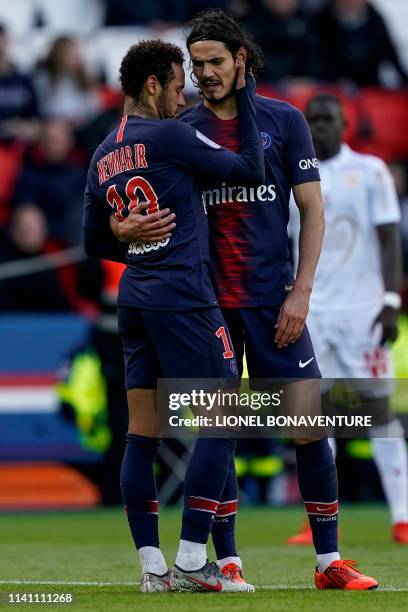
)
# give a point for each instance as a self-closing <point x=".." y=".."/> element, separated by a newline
<point x="242" y="54"/>
<point x="152" y="84"/>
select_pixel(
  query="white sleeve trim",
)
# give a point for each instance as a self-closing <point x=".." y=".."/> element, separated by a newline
<point x="207" y="141"/>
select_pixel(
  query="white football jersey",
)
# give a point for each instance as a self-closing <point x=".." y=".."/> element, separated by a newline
<point x="358" y="194"/>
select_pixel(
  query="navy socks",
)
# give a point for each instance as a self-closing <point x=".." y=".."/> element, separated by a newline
<point x="318" y="485"/>
<point x="204" y="484"/>
<point x="223" y="529"/>
<point x="139" y="492"/>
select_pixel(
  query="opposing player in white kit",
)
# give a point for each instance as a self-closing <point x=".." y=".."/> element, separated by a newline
<point x="355" y="299"/>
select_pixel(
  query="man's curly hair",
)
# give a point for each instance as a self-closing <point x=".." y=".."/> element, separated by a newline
<point x="146" y="58"/>
<point x="216" y="24"/>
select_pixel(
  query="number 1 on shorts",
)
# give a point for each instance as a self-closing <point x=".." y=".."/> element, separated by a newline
<point x="228" y="352"/>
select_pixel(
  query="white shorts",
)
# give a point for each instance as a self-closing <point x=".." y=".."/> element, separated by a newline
<point x="347" y="347"/>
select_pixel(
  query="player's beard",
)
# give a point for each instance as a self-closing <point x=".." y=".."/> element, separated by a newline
<point x="165" y="110"/>
<point x="230" y="92"/>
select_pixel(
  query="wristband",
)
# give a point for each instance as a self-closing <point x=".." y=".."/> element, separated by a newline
<point x="392" y="299"/>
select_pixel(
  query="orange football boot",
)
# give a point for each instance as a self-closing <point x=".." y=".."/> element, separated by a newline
<point x="400" y="533"/>
<point x="304" y="536"/>
<point x="233" y="572"/>
<point x="342" y="574"/>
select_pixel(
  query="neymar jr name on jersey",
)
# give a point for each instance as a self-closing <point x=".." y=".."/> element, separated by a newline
<point x="121" y="160"/>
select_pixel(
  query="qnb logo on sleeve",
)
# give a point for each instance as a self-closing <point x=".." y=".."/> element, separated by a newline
<point x="306" y="164"/>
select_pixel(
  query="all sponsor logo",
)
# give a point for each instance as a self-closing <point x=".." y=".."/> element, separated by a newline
<point x="266" y="140"/>
<point x="306" y="164"/>
<point x="228" y="194"/>
<point x="303" y="364"/>
<point x="234" y="367"/>
<point x="140" y="248"/>
<point x="322" y="508"/>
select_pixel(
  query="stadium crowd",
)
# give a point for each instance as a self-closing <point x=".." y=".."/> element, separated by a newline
<point x="54" y="112"/>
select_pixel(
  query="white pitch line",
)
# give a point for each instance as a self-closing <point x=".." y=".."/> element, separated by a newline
<point x="68" y="582"/>
<point x="260" y="587"/>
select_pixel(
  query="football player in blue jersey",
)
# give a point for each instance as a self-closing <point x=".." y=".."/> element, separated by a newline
<point x="264" y="306"/>
<point x="169" y="318"/>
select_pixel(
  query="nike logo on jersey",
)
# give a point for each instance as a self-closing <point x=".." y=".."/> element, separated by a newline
<point x="304" y="364"/>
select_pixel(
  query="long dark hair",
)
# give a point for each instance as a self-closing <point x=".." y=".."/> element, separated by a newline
<point x="216" y="24"/>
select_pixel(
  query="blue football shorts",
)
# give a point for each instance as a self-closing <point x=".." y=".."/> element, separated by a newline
<point x="175" y="344"/>
<point x="254" y="330"/>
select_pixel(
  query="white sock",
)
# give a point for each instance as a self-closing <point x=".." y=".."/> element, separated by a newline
<point x="323" y="561"/>
<point x="191" y="556"/>
<point x="226" y="560"/>
<point x="333" y="445"/>
<point x="152" y="560"/>
<point x="390" y="455"/>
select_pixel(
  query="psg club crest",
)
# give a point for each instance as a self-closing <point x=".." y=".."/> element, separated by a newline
<point x="234" y="367"/>
<point x="266" y="140"/>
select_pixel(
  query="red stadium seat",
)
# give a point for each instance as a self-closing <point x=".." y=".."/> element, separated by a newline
<point x="271" y="92"/>
<point x="10" y="163"/>
<point x="384" y="116"/>
<point x="300" y="95"/>
<point x="45" y="486"/>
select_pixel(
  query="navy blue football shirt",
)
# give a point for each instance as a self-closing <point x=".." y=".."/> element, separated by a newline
<point x="162" y="162"/>
<point x="248" y="225"/>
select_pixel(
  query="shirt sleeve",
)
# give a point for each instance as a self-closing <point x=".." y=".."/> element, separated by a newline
<point x="99" y="240"/>
<point x="185" y="145"/>
<point x="95" y="213"/>
<point x="384" y="203"/>
<point x="301" y="162"/>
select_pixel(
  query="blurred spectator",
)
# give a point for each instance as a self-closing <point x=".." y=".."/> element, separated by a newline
<point x="153" y="12"/>
<point x="54" y="182"/>
<point x="65" y="89"/>
<point x="399" y="174"/>
<point x="195" y="6"/>
<point x="288" y="39"/>
<point x="355" y="42"/>
<point x="27" y="236"/>
<point x="239" y="9"/>
<point x="18" y="102"/>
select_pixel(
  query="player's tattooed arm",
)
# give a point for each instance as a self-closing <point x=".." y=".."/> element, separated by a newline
<point x="293" y="312"/>
<point x="391" y="258"/>
<point x="140" y="226"/>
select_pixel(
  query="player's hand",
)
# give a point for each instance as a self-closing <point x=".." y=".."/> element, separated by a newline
<point x="240" y="64"/>
<point x="388" y="317"/>
<point x="292" y="317"/>
<point x="139" y="226"/>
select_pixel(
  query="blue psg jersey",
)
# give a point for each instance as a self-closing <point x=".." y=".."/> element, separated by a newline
<point x="158" y="161"/>
<point x="248" y="225"/>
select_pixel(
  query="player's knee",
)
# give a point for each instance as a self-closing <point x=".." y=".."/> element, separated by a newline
<point x="142" y="412"/>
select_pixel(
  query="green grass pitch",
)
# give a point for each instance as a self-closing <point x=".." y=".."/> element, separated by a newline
<point x="95" y="547"/>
